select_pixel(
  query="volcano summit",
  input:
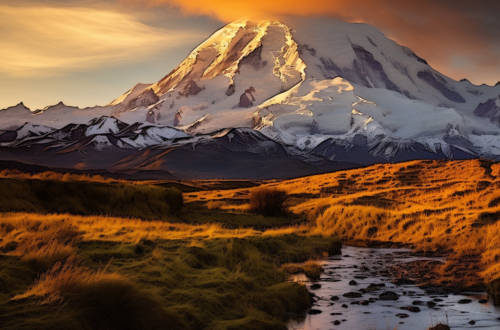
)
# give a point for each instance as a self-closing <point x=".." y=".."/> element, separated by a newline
<point x="269" y="99"/>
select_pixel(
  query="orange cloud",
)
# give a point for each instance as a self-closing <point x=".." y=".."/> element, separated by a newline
<point x="458" y="37"/>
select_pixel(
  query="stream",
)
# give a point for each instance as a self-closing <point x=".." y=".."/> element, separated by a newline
<point x="366" y="309"/>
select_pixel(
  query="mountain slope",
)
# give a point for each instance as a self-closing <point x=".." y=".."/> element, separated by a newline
<point x="326" y="91"/>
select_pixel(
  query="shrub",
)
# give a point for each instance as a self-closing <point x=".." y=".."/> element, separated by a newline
<point x="174" y="199"/>
<point x="267" y="201"/>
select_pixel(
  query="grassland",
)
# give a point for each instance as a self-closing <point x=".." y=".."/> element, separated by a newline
<point x="216" y="265"/>
<point x="194" y="269"/>
<point x="451" y="207"/>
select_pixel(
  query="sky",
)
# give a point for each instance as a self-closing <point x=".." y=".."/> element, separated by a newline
<point x="88" y="52"/>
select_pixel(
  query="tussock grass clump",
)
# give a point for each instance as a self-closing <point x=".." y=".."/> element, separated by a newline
<point x="312" y="269"/>
<point x="100" y="300"/>
<point x="267" y="201"/>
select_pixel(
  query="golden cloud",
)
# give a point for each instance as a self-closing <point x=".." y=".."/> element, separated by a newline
<point x="48" y="40"/>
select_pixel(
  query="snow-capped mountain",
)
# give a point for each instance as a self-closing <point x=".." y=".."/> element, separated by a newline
<point x="328" y="93"/>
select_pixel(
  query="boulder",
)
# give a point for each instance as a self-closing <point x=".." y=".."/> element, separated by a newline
<point x="388" y="295"/>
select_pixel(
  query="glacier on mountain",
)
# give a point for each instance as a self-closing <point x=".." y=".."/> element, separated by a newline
<point x="325" y="90"/>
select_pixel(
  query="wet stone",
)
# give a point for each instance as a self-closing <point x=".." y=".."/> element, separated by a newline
<point x="335" y="314"/>
<point x="353" y="282"/>
<point x="404" y="281"/>
<point x="413" y="309"/>
<point x="440" y="326"/>
<point x="388" y="295"/>
<point x="418" y="302"/>
<point x="483" y="301"/>
<point x="344" y="306"/>
<point x="402" y="316"/>
<point x="472" y="322"/>
<point x="465" y="301"/>
<point x="314" y="312"/>
<point x="315" y="286"/>
<point x="353" y="295"/>
<point x="336" y="322"/>
<point x="334" y="298"/>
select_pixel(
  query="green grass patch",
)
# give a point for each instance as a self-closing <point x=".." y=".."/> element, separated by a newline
<point x="218" y="284"/>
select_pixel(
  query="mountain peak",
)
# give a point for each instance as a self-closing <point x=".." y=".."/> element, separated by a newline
<point x="18" y="107"/>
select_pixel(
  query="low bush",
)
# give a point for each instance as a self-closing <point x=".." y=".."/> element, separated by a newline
<point x="267" y="201"/>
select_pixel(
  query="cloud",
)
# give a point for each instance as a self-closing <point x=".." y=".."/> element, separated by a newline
<point x="458" y="37"/>
<point x="47" y="40"/>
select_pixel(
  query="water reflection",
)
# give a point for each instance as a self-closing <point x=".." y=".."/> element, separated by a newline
<point x="367" y="268"/>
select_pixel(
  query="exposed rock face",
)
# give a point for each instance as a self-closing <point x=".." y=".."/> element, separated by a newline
<point x="153" y="115"/>
<point x="147" y="98"/>
<point x="230" y="90"/>
<point x="369" y="67"/>
<point x="440" y="84"/>
<point x="457" y="136"/>
<point x="247" y="98"/>
<point x="191" y="88"/>
<point x="489" y="109"/>
<point x="254" y="59"/>
<point x="177" y="118"/>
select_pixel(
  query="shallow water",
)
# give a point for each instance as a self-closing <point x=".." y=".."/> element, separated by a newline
<point x="339" y="271"/>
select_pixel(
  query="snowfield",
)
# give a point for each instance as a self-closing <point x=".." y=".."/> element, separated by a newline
<point x="306" y="84"/>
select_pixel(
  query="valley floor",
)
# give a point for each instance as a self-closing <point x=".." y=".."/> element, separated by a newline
<point x="136" y="260"/>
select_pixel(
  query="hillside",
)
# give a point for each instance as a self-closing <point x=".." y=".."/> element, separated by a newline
<point x="451" y="207"/>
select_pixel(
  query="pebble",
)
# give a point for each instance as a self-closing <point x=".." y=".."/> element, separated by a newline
<point x="344" y="306"/>
<point x="353" y="282"/>
<point x="315" y="286"/>
<point x="314" y="312"/>
<point x="465" y="301"/>
<point x="336" y="322"/>
<point x="334" y="298"/>
<point x="352" y="295"/>
<point x="413" y="309"/>
<point x="483" y="301"/>
<point x="472" y="322"/>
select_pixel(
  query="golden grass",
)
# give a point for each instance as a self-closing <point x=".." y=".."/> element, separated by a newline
<point x="96" y="272"/>
<point x="447" y="206"/>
